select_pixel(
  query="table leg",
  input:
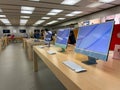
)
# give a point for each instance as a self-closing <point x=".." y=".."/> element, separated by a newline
<point x="35" y="63"/>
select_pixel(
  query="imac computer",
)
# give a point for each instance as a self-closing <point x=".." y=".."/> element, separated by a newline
<point x="6" y="31"/>
<point x="94" y="41"/>
<point x="48" y="38"/>
<point x="62" y="38"/>
<point x="22" y="31"/>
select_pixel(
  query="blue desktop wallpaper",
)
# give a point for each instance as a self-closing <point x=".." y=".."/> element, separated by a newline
<point x="48" y="36"/>
<point x="62" y="36"/>
<point x="94" y="40"/>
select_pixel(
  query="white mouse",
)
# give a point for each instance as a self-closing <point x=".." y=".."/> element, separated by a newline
<point x="80" y="70"/>
<point x="77" y="70"/>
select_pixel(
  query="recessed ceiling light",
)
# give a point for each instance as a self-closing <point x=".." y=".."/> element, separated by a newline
<point x="56" y="10"/>
<point x="70" y="2"/>
<point x="39" y="22"/>
<point x="61" y="18"/>
<point x="35" y="0"/>
<point x="51" y="13"/>
<point x="106" y="1"/>
<point x="24" y="16"/>
<point x="5" y="21"/>
<point x="69" y="15"/>
<point x="23" y="21"/>
<point x="27" y="8"/>
<point x="52" y="22"/>
<point x="26" y="12"/>
<point x="2" y="16"/>
<point x="95" y="4"/>
<point x="76" y="12"/>
<point x="45" y="18"/>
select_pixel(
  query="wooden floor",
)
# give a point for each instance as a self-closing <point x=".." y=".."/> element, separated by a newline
<point x="16" y="72"/>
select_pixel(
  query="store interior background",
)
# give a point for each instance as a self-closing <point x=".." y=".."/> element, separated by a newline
<point x="92" y="18"/>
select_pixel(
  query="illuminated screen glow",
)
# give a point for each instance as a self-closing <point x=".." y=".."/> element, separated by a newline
<point x="48" y="36"/>
<point x="62" y="37"/>
<point x="94" y="40"/>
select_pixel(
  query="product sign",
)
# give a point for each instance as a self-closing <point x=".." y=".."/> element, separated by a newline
<point x="116" y="54"/>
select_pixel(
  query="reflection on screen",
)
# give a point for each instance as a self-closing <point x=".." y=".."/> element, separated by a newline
<point x="62" y="37"/>
<point x="48" y="36"/>
<point x="94" y="40"/>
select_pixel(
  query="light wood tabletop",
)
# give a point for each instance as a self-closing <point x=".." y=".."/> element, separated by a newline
<point x="0" y="44"/>
<point x="101" y="76"/>
<point x="28" y="45"/>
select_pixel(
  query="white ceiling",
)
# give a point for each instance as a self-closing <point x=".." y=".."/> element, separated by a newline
<point x="12" y="10"/>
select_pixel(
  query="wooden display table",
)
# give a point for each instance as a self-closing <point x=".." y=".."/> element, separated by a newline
<point x="4" y="42"/>
<point x="0" y="45"/>
<point x="102" y="76"/>
<point x="25" y="42"/>
<point x="28" y="45"/>
<point x="15" y="39"/>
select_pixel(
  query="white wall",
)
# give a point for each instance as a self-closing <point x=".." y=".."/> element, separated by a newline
<point x="17" y="28"/>
<point x="100" y="14"/>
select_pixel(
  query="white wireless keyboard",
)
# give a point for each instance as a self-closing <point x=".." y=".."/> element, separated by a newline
<point x="74" y="66"/>
<point x="41" y="46"/>
<point x="51" y="52"/>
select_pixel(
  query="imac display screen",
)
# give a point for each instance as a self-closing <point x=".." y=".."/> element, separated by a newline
<point x="6" y="31"/>
<point x="62" y="37"/>
<point x="94" y="40"/>
<point x="22" y="31"/>
<point x="48" y="36"/>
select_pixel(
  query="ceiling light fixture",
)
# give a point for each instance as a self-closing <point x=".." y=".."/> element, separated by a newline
<point x="69" y="15"/>
<point x="74" y="13"/>
<point x="27" y="8"/>
<point x="70" y="2"/>
<point x="24" y="16"/>
<point x="61" y="18"/>
<point x="95" y="4"/>
<point x="5" y="21"/>
<point x="26" y="12"/>
<point x="106" y="1"/>
<point x="35" y="0"/>
<point x="52" y="22"/>
<point x="54" y="12"/>
<point x="45" y="18"/>
<point x="23" y="21"/>
<point x="51" y="13"/>
<point x="2" y="16"/>
<point x="39" y="22"/>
